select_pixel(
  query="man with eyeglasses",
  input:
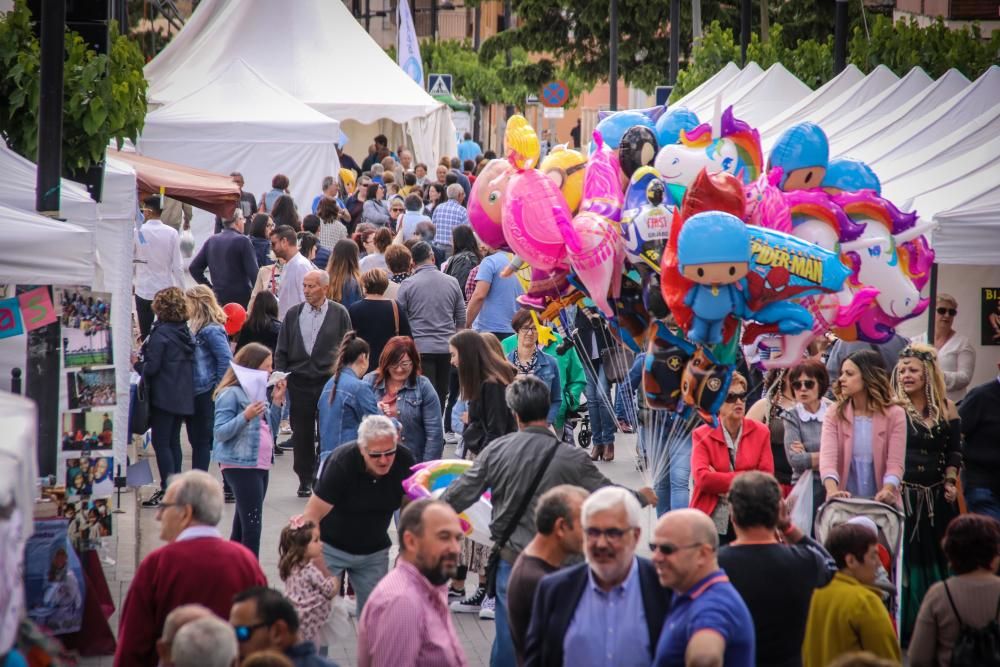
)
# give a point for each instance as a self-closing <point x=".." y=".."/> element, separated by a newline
<point x="609" y="610"/>
<point x="709" y="624"/>
<point x="196" y="566"/>
<point x="359" y="488"/>
<point x="757" y="559"/>
<point x="264" y="619"/>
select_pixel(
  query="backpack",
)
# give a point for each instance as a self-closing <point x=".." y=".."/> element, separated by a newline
<point x="975" y="647"/>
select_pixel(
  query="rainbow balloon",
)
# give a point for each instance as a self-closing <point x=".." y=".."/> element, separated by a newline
<point x="431" y="478"/>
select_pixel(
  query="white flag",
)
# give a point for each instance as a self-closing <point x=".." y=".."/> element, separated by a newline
<point x="407" y="46"/>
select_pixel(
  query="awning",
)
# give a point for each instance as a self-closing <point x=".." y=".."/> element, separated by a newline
<point x="215" y="193"/>
<point x="453" y="102"/>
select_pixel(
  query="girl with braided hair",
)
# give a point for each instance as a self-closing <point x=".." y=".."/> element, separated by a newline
<point x="933" y="459"/>
<point x="346" y="399"/>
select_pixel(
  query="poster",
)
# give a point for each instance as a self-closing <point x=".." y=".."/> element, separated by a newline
<point x="86" y="326"/>
<point x="86" y="431"/>
<point x="89" y="522"/>
<point x="91" y="389"/>
<point x="53" y="578"/>
<point x="90" y="476"/>
<point x="990" y="304"/>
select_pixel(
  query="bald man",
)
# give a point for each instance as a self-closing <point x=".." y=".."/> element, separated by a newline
<point x="175" y="621"/>
<point x="308" y="341"/>
<point x="709" y="624"/>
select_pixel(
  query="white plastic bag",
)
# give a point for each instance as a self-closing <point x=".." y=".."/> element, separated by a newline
<point x="800" y="502"/>
<point x="337" y="630"/>
<point x="187" y="243"/>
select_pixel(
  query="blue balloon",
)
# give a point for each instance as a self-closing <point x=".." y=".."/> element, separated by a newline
<point x="800" y="147"/>
<point x="848" y="174"/>
<point x="670" y="124"/>
<point x="613" y="127"/>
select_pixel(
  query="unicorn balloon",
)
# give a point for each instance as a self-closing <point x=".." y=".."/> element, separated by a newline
<point x="735" y="150"/>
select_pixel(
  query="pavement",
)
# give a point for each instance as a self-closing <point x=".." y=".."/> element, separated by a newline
<point x="136" y="534"/>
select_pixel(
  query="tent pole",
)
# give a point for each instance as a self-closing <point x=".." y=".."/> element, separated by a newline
<point x="932" y="309"/>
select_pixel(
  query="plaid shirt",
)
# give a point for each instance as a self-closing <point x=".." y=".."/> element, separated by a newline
<point x="446" y="217"/>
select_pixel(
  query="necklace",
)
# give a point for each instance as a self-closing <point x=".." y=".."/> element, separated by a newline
<point x="526" y="368"/>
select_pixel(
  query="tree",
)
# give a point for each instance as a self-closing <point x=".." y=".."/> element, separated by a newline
<point x="104" y="95"/>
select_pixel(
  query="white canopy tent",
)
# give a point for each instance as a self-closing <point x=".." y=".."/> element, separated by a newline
<point x="36" y="247"/>
<point x="905" y="89"/>
<point x="323" y="58"/>
<point x="274" y="133"/>
<point x="760" y="99"/>
<point x="713" y="84"/>
<point x="817" y="99"/>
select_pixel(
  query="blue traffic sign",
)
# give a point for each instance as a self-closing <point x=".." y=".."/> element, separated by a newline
<point x="663" y="94"/>
<point x="439" y="84"/>
<point x="555" y="94"/>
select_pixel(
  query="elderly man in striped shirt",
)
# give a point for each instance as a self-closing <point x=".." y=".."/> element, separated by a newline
<point x="448" y="215"/>
<point x="406" y="620"/>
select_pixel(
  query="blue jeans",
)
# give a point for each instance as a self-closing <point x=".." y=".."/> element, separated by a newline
<point x="671" y="490"/>
<point x="249" y="485"/>
<point x="982" y="500"/>
<point x="365" y="570"/>
<point x="200" y="427"/>
<point x="502" y="654"/>
<point x="602" y="421"/>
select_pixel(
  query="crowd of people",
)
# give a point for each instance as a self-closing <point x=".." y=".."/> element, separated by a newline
<point x="380" y="329"/>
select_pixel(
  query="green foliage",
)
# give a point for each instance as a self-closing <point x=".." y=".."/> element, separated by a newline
<point x="904" y="45"/>
<point x="716" y="47"/>
<point x="104" y="96"/>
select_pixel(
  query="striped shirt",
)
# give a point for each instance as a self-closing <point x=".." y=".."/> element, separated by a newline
<point x="446" y="217"/>
<point x="406" y="621"/>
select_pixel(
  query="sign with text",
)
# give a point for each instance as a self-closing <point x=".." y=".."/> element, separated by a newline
<point x="36" y="308"/>
<point x="11" y="323"/>
<point x="990" y="305"/>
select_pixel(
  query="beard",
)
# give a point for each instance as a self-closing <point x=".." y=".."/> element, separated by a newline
<point x="438" y="573"/>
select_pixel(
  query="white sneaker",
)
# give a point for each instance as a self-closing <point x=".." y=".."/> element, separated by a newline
<point x="487" y="611"/>
<point x="471" y="604"/>
<point x="285" y="429"/>
<point x="451" y="438"/>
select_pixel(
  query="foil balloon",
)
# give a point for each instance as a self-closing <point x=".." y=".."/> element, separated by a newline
<point x="613" y="127"/>
<point x="602" y="183"/>
<point x="521" y="144"/>
<point x="637" y="148"/>
<point x="850" y="175"/>
<point x="765" y="203"/>
<point x="714" y="192"/>
<point x="663" y="367"/>
<point x="431" y="478"/>
<point x="236" y="316"/>
<point x="536" y="220"/>
<point x="565" y="167"/>
<point x="783" y="266"/>
<point x="597" y="258"/>
<point x="486" y="203"/>
<point x="645" y="229"/>
<point x="705" y="383"/>
<point x="802" y="151"/>
<point x="670" y="125"/>
<point x="631" y="320"/>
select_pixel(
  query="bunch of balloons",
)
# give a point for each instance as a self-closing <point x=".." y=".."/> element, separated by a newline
<point x="679" y="235"/>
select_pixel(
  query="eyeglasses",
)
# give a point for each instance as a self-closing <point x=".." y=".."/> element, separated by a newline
<point x="803" y="384"/>
<point x="403" y="365"/>
<point x="244" y="632"/>
<point x="162" y="506"/>
<point x="528" y="329"/>
<point x="613" y="534"/>
<point x="736" y="398"/>
<point x="668" y="549"/>
<point x="947" y="311"/>
<point x="387" y="454"/>
<point x="396" y="210"/>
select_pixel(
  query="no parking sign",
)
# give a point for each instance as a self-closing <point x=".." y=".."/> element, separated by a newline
<point x="554" y="94"/>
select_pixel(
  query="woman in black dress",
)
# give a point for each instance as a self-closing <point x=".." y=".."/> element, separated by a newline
<point x="933" y="459"/>
<point x="376" y="318"/>
<point x="262" y="325"/>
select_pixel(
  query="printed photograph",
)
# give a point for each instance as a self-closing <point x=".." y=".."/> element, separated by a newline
<point x="86" y="431"/>
<point x="990" y="308"/>
<point x="86" y="326"/>
<point x="91" y="389"/>
<point x="89" y="521"/>
<point x="90" y="476"/>
<point x="53" y="579"/>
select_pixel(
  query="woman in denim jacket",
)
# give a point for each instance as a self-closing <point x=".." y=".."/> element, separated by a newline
<point x="405" y="395"/>
<point x="211" y="361"/>
<point x="346" y="399"/>
<point x="528" y="358"/>
<point x="243" y="441"/>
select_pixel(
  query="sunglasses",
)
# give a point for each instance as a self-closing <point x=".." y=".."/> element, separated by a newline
<point x="668" y="549"/>
<point x="803" y="384"/>
<point x="397" y="210"/>
<point x="613" y="534"/>
<point x="947" y="311"/>
<point x="244" y="632"/>
<point x="736" y="398"/>
<point x="387" y="454"/>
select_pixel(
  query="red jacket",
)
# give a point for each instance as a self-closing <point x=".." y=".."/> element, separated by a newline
<point x="709" y="450"/>
<point x="206" y="570"/>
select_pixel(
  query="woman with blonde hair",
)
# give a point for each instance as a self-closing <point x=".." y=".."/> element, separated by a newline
<point x="211" y="360"/>
<point x="864" y="437"/>
<point x="933" y="459"/>
<point x="345" y="274"/>
<point x="956" y="358"/>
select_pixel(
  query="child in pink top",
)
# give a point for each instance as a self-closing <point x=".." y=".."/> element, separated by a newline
<point x="308" y="583"/>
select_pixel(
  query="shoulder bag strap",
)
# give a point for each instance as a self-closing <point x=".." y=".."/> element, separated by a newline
<point x="526" y="499"/>
<point x="952" y="603"/>
<point x="395" y="314"/>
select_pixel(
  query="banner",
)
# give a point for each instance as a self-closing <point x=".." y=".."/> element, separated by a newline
<point x="53" y="578"/>
<point x="407" y="45"/>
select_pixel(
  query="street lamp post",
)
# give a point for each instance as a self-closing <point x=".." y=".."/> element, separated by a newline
<point x="613" y="75"/>
<point x="840" y="37"/>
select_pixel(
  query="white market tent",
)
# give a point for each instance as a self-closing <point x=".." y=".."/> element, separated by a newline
<point x="35" y="246"/>
<point x="276" y="132"/>
<point x="758" y="100"/>
<point x="317" y="52"/>
<point x="905" y="89"/>
<point x="713" y="84"/>
<point x="819" y="98"/>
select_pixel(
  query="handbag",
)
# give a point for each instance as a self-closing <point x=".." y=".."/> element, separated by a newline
<point x="186" y="242"/>
<point x="493" y="564"/>
<point x="616" y="361"/>
<point x="138" y="409"/>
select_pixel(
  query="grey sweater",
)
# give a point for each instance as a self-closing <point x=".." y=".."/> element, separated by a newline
<point x="806" y="432"/>
<point x="434" y="306"/>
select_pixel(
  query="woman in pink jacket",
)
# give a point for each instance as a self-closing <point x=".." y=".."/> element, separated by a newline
<point x="864" y="437"/>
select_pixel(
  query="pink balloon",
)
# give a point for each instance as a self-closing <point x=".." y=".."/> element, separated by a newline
<point x="765" y="203"/>
<point x="486" y="203"/>
<point x="602" y="183"/>
<point x="535" y="219"/>
<point x="599" y="258"/>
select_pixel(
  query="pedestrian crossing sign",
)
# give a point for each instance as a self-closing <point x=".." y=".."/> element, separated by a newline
<point x="439" y="84"/>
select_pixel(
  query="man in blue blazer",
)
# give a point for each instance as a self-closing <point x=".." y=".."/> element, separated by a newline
<point x="609" y="610"/>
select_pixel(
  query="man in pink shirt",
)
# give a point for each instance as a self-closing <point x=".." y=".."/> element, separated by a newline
<point x="406" y="620"/>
